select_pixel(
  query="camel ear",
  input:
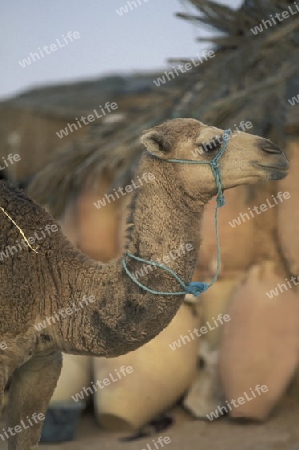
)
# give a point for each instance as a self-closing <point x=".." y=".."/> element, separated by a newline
<point x="156" y="143"/>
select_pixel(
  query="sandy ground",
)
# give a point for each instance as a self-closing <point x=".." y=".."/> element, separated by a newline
<point x="281" y="432"/>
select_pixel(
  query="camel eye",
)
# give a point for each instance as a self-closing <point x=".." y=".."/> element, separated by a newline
<point x="212" y="145"/>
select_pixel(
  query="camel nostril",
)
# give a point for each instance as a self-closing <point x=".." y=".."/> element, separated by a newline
<point x="269" y="147"/>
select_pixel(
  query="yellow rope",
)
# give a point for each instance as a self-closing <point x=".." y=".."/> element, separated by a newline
<point x="21" y="231"/>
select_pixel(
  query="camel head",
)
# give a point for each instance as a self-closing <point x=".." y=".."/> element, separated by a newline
<point x="247" y="159"/>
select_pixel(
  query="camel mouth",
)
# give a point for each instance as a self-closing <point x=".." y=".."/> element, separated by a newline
<point x="281" y="165"/>
<point x="277" y="172"/>
<point x="282" y="168"/>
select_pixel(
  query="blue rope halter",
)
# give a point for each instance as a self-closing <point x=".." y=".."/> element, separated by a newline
<point x="194" y="287"/>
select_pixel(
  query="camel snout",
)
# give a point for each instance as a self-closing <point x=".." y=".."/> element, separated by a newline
<point x="273" y="160"/>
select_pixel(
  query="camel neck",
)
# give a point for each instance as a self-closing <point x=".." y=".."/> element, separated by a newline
<point x="161" y="228"/>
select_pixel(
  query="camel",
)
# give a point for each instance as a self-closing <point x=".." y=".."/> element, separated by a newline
<point x="164" y="214"/>
<point x="82" y="223"/>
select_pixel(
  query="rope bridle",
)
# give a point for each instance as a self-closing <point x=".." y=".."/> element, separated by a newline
<point x="194" y="287"/>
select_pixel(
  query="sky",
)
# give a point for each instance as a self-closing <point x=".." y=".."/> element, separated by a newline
<point x="105" y="42"/>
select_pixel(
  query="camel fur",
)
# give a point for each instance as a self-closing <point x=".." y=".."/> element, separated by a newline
<point x="164" y="214"/>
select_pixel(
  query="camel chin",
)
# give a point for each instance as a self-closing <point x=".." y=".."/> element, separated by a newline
<point x="276" y="174"/>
